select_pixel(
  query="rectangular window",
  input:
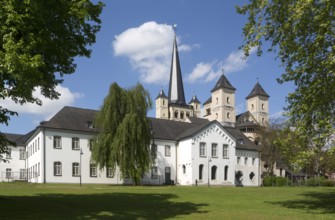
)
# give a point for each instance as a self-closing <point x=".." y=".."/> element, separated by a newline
<point x="9" y="153"/>
<point x="93" y="170"/>
<point x="38" y="143"/>
<point x="167" y="150"/>
<point x="90" y="144"/>
<point x="246" y="161"/>
<point x="57" y="168"/>
<point x="202" y="151"/>
<point x="8" y="173"/>
<point x="214" y="150"/>
<point x="238" y="160"/>
<point x="110" y="173"/>
<point x="57" y="142"/>
<point x="38" y="171"/>
<point x="23" y="175"/>
<point x="75" y="169"/>
<point x="22" y="154"/>
<point x="75" y="143"/>
<point x="153" y="151"/>
<point x="154" y="172"/>
<point x="253" y="161"/>
<point x="225" y="150"/>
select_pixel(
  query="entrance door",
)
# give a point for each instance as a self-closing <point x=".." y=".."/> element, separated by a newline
<point x="167" y="175"/>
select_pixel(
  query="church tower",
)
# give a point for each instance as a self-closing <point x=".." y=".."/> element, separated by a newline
<point x="162" y="109"/>
<point x="221" y="105"/>
<point x="195" y="103"/>
<point x="258" y="104"/>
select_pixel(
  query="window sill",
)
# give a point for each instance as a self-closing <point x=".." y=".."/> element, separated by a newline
<point x="94" y="176"/>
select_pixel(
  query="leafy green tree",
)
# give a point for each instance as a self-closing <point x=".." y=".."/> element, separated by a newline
<point x="124" y="132"/>
<point x="38" y="42"/>
<point x="302" y="35"/>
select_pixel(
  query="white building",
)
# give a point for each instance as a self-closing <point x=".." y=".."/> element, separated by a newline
<point x="189" y="149"/>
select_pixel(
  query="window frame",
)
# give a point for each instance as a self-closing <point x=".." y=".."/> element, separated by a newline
<point x="57" y="168"/>
<point x="214" y="149"/>
<point x="225" y="152"/>
<point x="93" y="170"/>
<point x="75" y="143"/>
<point x="9" y="153"/>
<point x="109" y="172"/>
<point x="168" y="150"/>
<point x="57" y="142"/>
<point x="154" y="172"/>
<point x="75" y="169"/>
<point x="202" y="149"/>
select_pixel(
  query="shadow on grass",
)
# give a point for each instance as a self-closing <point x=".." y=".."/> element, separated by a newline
<point x="313" y="202"/>
<point x="95" y="206"/>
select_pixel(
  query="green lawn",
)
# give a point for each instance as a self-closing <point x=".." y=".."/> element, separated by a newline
<point x="51" y="201"/>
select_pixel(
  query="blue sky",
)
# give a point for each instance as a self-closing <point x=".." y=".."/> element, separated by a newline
<point x="135" y="45"/>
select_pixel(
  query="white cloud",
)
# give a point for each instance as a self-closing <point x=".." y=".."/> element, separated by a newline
<point x="206" y="72"/>
<point x="149" y="49"/>
<point x="48" y="108"/>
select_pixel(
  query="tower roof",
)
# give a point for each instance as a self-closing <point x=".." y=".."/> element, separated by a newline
<point x="194" y="100"/>
<point x="161" y="94"/>
<point x="223" y="82"/>
<point x="176" y="87"/>
<point x="257" y="91"/>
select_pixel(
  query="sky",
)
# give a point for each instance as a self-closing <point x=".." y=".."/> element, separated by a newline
<point x="134" y="45"/>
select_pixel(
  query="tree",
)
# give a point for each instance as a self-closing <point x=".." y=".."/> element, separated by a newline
<point x="302" y="35"/>
<point x="124" y="132"/>
<point x="38" y="42"/>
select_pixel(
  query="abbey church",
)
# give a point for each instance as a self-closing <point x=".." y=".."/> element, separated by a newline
<point x="193" y="143"/>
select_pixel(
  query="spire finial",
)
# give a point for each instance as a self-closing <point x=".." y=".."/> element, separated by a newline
<point x="174" y="28"/>
<point x="222" y="71"/>
<point x="257" y="79"/>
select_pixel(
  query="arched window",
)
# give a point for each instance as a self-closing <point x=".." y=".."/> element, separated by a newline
<point x="228" y="115"/>
<point x="252" y="106"/>
<point x="228" y="100"/>
<point x="176" y="114"/>
<point x="252" y="175"/>
<point x="163" y="102"/>
<point x="201" y="169"/>
<point x="263" y="106"/>
<point x="181" y="115"/>
<point x="184" y="169"/>
<point x="225" y="172"/>
<point x="214" y="169"/>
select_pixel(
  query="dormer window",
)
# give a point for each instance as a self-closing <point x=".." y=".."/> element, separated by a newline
<point x="89" y="124"/>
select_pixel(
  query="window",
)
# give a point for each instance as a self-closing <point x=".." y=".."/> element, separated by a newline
<point x="202" y="152"/>
<point x="89" y="124"/>
<point x="38" y="143"/>
<point x="110" y="173"/>
<point x="154" y="172"/>
<point x="93" y="170"/>
<point x="214" y="150"/>
<point x="9" y="153"/>
<point x="253" y="161"/>
<point x="252" y="106"/>
<point x="228" y="115"/>
<point x="75" y="143"/>
<point x="184" y="169"/>
<point x="181" y="115"/>
<point x="22" y="154"/>
<point x="208" y="111"/>
<point x="225" y="150"/>
<point x="38" y="170"/>
<point x="228" y="100"/>
<point x="176" y="114"/>
<point x="167" y="150"/>
<point x="57" y="142"/>
<point x="75" y="169"/>
<point x="214" y="168"/>
<point x="225" y="172"/>
<point x="90" y="144"/>
<point x="57" y="168"/>
<point x="201" y="170"/>
<point x="263" y="106"/>
<point x="8" y="173"/>
<point x="153" y="151"/>
<point x="238" y="160"/>
<point x="246" y="161"/>
<point x="23" y="174"/>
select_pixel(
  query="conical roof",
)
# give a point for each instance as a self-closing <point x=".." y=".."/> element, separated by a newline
<point x="161" y="94"/>
<point x="223" y="82"/>
<point x="176" y="87"/>
<point x="257" y="91"/>
<point x="194" y="100"/>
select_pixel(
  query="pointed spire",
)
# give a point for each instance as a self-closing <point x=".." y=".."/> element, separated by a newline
<point x="223" y="82"/>
<point x="257" y="91"/>
<point x="161" y="94"/>
<point x="194" y="99"/>
<point x="176" y="87"/>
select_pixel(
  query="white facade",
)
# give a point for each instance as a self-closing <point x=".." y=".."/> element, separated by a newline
<point x="14" y="168"/>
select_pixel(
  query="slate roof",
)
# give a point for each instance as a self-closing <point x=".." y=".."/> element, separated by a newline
<point x="71" y="118"/>
<point x="257" y="91"/>
<point x="19" y="139"/>
<point x="194" y="100"/>
<point x="176" y="80"/>
<point x="209" y="100"/>
<point x="223" y="82"/>
<point x="161" y="94"/>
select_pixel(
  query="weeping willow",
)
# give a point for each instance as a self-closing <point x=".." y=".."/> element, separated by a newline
<point x="124" y="132"/>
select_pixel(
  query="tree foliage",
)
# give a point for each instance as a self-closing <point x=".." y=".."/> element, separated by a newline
<point x="124" y="132"/>
<point x="302" y="34"/>
<point x="38" y="42"/>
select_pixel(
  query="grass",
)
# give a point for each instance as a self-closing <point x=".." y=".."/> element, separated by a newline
<point x="51" y="201"/>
